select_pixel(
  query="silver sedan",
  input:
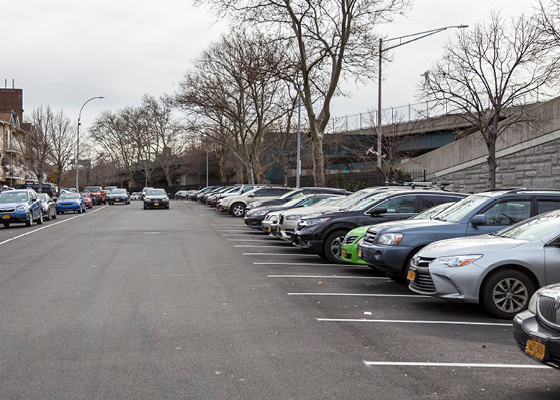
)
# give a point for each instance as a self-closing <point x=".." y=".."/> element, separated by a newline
<point x="501" y="270"/>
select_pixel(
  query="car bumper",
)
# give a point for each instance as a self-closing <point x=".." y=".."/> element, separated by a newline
<point x="159" y="204"/>
<point x="389" y="259"/>
<point x="15" y="217"/>
<point x="117" y="200"/>
<point x="307" y="243"/>
<point x="254" y="222"/>
<point x="68" y="207"/>
<point x="526" y="326"/>
<point x="349" y="254"/>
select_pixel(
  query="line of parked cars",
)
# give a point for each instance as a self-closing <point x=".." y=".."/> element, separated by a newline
<point x="498" y="248"/>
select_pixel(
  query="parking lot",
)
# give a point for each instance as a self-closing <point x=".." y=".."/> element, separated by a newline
<point x="191" y="303"/>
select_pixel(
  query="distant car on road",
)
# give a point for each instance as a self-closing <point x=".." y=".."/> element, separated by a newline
<point x="87" y="199"/>
<point x="48" y="206"/>
<point x="136" y="196"/>
<point x="156" y="198"/>
<point x="97" y="194"/>
<point x="118" y="196"/>
<point x="70" y="202"/>
<point x="181" y="195"/>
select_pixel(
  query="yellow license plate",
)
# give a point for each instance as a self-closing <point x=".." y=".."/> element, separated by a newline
<point x="411" y="275"/>
<point x="535" y="348"/>
<point x="344" y="253"/>
<point x="278" y="228"/>
<point x="269" y="229"/>
<point x="360" y="253"/>
<point x="5" y="217"/>
<point x="156" y="204"/>
<point x="116" y="199"/>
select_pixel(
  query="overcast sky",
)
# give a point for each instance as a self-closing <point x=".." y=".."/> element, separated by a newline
<point x="63" y="52"/>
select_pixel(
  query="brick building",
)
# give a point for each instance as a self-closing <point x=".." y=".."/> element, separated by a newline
<point x="13" y="134"/>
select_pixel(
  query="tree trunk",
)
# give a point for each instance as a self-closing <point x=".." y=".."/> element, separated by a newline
<point x="318" y="162"/>
<point x="491" y="165"/>
<point x="240" y="173"/>
<point x="223" y="176"/>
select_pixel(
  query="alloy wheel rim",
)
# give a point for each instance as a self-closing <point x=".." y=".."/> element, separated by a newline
<point x="336" y="247"/>
<point x="510" y="295"/>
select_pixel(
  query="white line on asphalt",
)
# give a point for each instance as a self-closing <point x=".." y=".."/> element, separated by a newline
<point x="50" y="225"/>
<point x="149" y="276"/>
<point x="356" y="294"/>
<point x="321" y="265"/>
<point x="327" y="277"/>
<point x="278" y="246"/>
<point x="237" y="230"/>
<point x="246" y="233"/>
<point x="281" y="254"/>
<point x="466" y="365"/>
<point x="249" y="240"/>
<point x="396" y="321"/>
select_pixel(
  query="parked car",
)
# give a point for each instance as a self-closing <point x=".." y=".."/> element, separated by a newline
<point x="97" y="194"/>
<point x="239" y="190"/>
<point x="3" y="188"/>
<point x="136" y="196"/>
<point x="294" y="194"/>
<point x="181" y="195"/>
<point x="236" y="205"/>
<point x="118" y="196"/>
<point x="323" y="234"/>
<point x="156" y="198"/>
<point x="256" y="216"/>
<point x="48" y="206"/>
<point x="390" y="249"/>
<point x="144" y="190"/>
<point x="20" y="206"/>
<point x="537" y="330"/>
<point x="109" y="189"/>
<point x="70" y="202"/>
<point x="501" y="270"/>
<point x="87" y="199"/>
<point x="49" y="188"/>
<point x="352" y="238"/>
<point x="212" y="199"/>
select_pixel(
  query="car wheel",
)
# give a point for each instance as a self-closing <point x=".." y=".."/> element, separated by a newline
<point x="40" y="219"/>
<point x="333" y="246"/>
<point x="238" y="209"/>
<point x="6" y="224"/>
<point x="47" y="217"/>
<point x="30" y="221"/>
<point x="54" y="215"/>
<point x="145" y="208"/>
<point x="507" y="293"/>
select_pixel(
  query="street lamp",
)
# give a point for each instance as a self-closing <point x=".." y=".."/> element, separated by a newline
<point x="78" y="137"/>
<point x="410" y="38"/>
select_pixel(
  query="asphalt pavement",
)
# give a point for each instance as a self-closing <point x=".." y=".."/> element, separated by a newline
<point x="188" y="303"/>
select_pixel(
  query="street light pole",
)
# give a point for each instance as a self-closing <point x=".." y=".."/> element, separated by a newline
<point x="410" y="38"/>
<point x="78" y="138"/>
<point x="298" y="164"/>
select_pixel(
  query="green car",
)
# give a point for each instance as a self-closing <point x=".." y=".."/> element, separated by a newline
<point x="350" y="243"/>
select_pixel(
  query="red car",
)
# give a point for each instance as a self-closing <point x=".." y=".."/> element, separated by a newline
<point x="87" y="199"/>
<point x="96" y="193"/>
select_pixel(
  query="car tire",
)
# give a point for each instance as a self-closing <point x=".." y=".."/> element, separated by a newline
<point x="40" y="219"/>
<point x="54" y="215"/>
<point x="47" y="218"/>
<point x="145" y="208"/>
<point x="507" y="293"/>
<point x="6" y="224"/>
<point x="30" y="221"/>
<point x="333" y="246"/>
<point x="237" y="209"/>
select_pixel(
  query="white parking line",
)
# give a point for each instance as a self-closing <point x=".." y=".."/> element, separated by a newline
<point x="396" y="321"/>
<point x="246" y="233"/>
<point x="328" y="277"/>
<point x="50" y="225"/>
<point x="317" y="264"/>
<point x="278" y="246"/>
<point x="236" y="230"/>
<point x="248" y="240"/>
<point x="356" y="294"/>
<point x="465" y="365"/>
<point x="281" y="254"/>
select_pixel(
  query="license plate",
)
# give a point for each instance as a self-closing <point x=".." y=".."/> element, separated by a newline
<point x="344" y="253"/>
<point x="156" y="204"/>
<point x="411" y="275"/>
<point x="535" y="348"/>
<point x="5" y="217"/>
<point x="269" y="229"/>
<point x="360" y="253"/>
<point x="116" y="199"/>
<point x="278" y="228"/>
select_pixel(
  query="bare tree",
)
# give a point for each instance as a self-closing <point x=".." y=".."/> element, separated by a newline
<point x="326" y="40"/>
<point x="39" y="143"/>
<point x="487" y="71"/>
<point x="236" y="98"/>
<point x="63" y="139"/>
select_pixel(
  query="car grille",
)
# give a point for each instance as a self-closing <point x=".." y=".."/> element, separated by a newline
<point x="7" y="209"/>
<point x="370" y="237"/>
<point x="548" y="310"/>
<point x="423" y="281"/>
<point x="350" y="239"/>
<point x="156" y="200"/>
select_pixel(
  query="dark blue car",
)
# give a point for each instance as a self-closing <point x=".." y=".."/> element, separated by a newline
<point x="20" y="206"/>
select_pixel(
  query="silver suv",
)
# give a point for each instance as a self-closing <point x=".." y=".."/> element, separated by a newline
<point x="236" y="205"/>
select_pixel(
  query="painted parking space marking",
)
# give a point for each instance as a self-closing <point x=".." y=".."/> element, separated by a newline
<point x="249" y="240"/>
<point x="359" y="295"/>
<point x="282" y="254"/>
<point x="277" y="246"/>
<point x="453" y="365"/>
<point x="328" y="277"/>
<point x="241" y="234"/>
<point x="396" y="321"/>
<point x="306" y="264"/>
<point x="50" y="225"/>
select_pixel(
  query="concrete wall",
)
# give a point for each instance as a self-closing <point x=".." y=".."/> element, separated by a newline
<point x="527" y="156"/>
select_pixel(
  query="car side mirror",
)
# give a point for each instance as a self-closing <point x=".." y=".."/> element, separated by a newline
<point x="251" y="195"/>
<point x="377" y="211"/>
<point x="479" y="219"/>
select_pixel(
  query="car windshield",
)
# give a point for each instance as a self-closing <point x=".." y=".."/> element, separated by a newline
<point x="43" y="196"/>
<point x="66" y="196"/>
<point x="368" y="202"/>
<point x="329" y="201"/>
<point x="352" y="199"/>
<point x="118" y="191"/>
<point x="535" y="228"/>
<point x="156" y="192"/>
<point x="13" y="197"/>
<point x="293" y="202"/>
<point x="91" y="190"/>
<point x="289" y="194"/>
<point x="461" y="209"/>
<point x="431" y="212"/>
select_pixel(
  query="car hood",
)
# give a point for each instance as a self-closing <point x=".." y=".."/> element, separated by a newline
<point x="407" y="224"/>
<point x="359" y="231"/>
<point x="12" y="205"/>
<point x="310" y="210"/>
<point x="160" y="196"/>
<point x="469" y="245"/>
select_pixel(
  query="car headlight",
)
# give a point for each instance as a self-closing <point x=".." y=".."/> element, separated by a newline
<point x="293" y="217"/>
<point x="390" y="239"/>
<point x="259" y="213"/>
<point x="254" y="205"/>
<point x="533" y="302"/>
<point x="21" y="208"/>
<point x="457" y="261"/>
<point x="312" y="221"/>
